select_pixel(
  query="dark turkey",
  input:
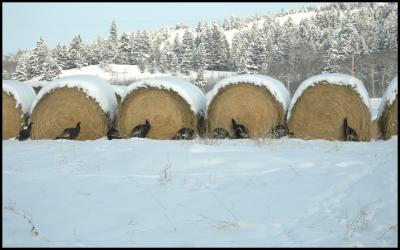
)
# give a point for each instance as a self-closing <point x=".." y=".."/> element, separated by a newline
<point x="349" y="133"/>
<point x="25" y="133"/>
<point x="113" y="133"/>
<point x="241" y="131"/>
<point x="184" y="134"/>
<point x="278" y="131"/>
<point x="70" y="133"/>
<point x="141" y="130"/>
<point x="220" y="133"/>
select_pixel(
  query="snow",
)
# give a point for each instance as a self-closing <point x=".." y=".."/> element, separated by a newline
<point x="332" y="78"/>
<point x="389" y="96"/>
<point x="124" y="74"/>
<point x="375" y="102"/>
<point x="296" y="17"/>
<point x="35" y="83"/>
<point x="95" y="87"/>
<point x="119" y="89"/>
<point x="189" y="92"/>
<point x="275" y="87"/>
<point x="201" y="193"/>
<point x="23" y="93"/>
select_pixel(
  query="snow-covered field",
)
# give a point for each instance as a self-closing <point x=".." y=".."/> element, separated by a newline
<point x="141" y="192"/>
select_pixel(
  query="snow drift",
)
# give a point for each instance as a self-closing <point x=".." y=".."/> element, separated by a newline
<point x="168" y="103"/>
<point x="258" y="102"/>
<point x="320" y="104"/>
<point x="17" y="100"/>
<point x="67" y="100"/>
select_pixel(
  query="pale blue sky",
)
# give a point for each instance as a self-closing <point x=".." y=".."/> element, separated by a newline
<point x="24" y="23"/>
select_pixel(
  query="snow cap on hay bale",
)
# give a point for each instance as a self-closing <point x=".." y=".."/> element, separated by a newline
<point x="320" y="104"/>
<point x="168" y="103"/>
<point x="65" y="101"/>
<point x="37" y="85"/>
<point x="258" y="102"/>
<point x="17" y="100"/>
<point x="387" y="112"/>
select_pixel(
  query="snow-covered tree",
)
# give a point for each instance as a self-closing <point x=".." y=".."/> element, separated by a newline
<point x="51" y="69"/>
<point x="23" y="70"/>
<point x="76" y="54"/>
<point x="124" y="49"/>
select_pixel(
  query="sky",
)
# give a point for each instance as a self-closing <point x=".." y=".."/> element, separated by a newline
<point x="24" y="23"/>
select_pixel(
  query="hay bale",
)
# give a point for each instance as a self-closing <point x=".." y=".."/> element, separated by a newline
<point x="320" y="104"/>
<point x="17" y="100"/>
<point x="169" y="104"/>
<point x="387" y="112"/>
<point x="65" y="101"/>
<point x="256" y="101"/>
<point x="375" y="130"/>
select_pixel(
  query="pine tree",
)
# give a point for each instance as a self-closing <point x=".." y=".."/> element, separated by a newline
<point x="50" y="69"/>
<point x="75" y="54"/>
<point x="23" y="68"/>
<point x="113" y="43"/>
<point x="38" y="57"/>
<point x="124" y="49"/>
<point x="61" y="55"/>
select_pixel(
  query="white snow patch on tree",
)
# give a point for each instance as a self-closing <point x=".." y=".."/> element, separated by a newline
<point x="193" y="95"/>
<point x="95" y="87"/>
<point x="22" y="92"/>
<point x="332" y="78"/>
<point x="275" y="87"/>
<point x="388" y="97"/>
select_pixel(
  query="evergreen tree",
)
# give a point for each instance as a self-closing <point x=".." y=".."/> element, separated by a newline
<point x="61" y="55"/>
<point x="76" y="54"/>
<point x="23" y="68"/>
<point x="124" y="49"/>
<point x="50" y="69"/>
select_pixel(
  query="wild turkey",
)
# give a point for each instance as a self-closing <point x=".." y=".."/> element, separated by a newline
<point x="278" y="131"/>
<point x="184" y="134"/>
<point x="113" y="133"/>
<point x="70" y="133"/>
<point x="220" y="133"/>
<point x="25" y="133"/>
<point x="349" y="133"/>
<point x="141" y="130"/>
<point x="241" y="131"/>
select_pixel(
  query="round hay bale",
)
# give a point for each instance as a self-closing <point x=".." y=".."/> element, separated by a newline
<point x="387" y="113"/>
<point x="65" y="101"/>
<point x="169" y="104"/>
<point x="17" y="99"/>
<point x="258" y="102"/>
<point x="320" y="104"/>
<point x="375" y="130"/>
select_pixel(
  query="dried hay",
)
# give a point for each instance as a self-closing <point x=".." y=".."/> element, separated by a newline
<point x="166" y="111"/>
<point x="251" y="105"/>
<point x="13" y="117"/>
<point x="376" y="132"/>
<point x="320" y="111"/>
<point x="62" y="108"/>
<point x="388" y="121"/>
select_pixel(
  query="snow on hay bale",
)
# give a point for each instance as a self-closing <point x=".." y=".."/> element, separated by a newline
<point x="320" y="104"/>
<point x="67" y="100"/>
<point x="387" y="112"/>
<point x="169" y="104"/>
<point x="17" y="100"/>
<point x="258" y="102"/>
<point x="37" y="85"/>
